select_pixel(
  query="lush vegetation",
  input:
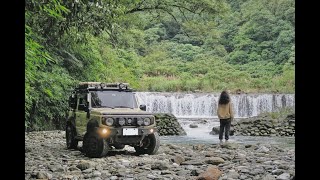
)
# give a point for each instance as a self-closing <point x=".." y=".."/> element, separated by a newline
<point x="155" y="45"/>
<point x="279" y="114"/>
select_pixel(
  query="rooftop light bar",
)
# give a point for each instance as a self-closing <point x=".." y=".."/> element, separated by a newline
<point x="102" y="85"/>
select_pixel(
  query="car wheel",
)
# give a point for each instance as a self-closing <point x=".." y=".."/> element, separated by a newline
<point x="72" y="143"/>
<point x="94" y="146"/>
<point x="150" y="145"/>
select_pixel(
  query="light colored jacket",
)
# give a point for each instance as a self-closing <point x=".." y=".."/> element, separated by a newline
<point x="225" y="111"/>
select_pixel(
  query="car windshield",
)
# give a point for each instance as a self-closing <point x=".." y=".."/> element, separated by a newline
<point x="113" y="99"/>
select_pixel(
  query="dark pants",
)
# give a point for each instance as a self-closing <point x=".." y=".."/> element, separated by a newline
<point x="224" y="125"/>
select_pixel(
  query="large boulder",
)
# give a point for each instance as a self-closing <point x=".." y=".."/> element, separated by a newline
<point x="168" y="125"/>
<point x="215" y="130"/>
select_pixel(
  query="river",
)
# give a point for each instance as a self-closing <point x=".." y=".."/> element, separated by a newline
<point x="201" y="135"/>
<point x="200" y="108"/>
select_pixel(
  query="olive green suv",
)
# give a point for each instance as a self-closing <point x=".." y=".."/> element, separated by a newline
<point x="103" y="115"/>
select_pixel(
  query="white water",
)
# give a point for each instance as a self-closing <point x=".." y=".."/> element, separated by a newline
<point x="204" y="105"/>
<point x="197" y="107"/>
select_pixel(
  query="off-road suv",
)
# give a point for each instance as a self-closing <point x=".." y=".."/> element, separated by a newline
<point x="103" y="115"/>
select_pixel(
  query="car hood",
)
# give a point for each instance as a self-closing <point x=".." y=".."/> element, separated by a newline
<point x="119" y="111"/>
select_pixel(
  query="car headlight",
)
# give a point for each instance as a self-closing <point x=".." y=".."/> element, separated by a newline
<point x="109" y="121"/>
<point x="122" y="121"/>
<point x="146" y="121"/>
<point x="139" y="121"/>
<point x="129" y="120"/>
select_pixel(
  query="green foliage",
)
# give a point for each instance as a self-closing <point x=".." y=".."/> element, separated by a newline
<point x="280" y="113"/>
<point x="46" y="87"/>
<point x="155" y="45"/>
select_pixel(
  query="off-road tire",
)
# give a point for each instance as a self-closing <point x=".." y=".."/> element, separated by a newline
<point x="119" y="146"/>
<point x="150" y="146"/>
<point x="72" y="143"/>
<point x="94" y="146"/>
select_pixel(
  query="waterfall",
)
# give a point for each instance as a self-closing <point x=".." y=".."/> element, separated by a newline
<point x="190" y="105"/>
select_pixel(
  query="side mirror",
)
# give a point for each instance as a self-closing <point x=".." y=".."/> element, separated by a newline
<point x="83" y="107"/>
<point x="143" y="107"/>
<point x="86" y="109"/>
<point x="72" y="102"/>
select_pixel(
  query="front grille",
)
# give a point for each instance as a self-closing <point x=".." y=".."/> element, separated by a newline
<point x="134" y="120"/>
<point x="127" y="121"/>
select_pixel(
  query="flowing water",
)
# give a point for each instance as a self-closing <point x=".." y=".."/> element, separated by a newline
<point x="204" y="105"/>
<point x="200" y="135"/>
<point x="200" y="108"/>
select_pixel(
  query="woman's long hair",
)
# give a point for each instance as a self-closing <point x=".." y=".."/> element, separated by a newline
<point x="224" y="97"/>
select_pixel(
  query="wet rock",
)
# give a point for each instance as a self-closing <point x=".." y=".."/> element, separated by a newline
<point x="269" y="177"/>
<point x="173" y="146"/>
<point x="96" y="174"/>
<point x="248" y="145"/>
<point x="193" y="125"/>
<point x="56" y="168"/>
<point x="194" y="172"/>
<point x="89" y="170"/>
<point x="229" y="145"/>
<point x="273" y="131"/>
<point x="263" y="149"/>
<point x="105" y="173"/>
<point x="232" y="174"/>
<point x="125" y="162"/>
<point x="256" y="171"/>
<point x="277" y="171"/>
<point x="284" y="176"/>
<point x="175" y="164"/>
<point x="183" y="173"/>
<point x="114" y="177"/>
<point x="214" y="160"/>
<point x="282" y="166"/>
<point x="160" y="166"/>
<point x="84" y="165"/>
<point x="203" y="121"/>
<point x="215" y="130"/>
<point x="28" y="149"/>
<point x="178" y="159"/>
<point x="151" y="176"/>
<point x="212" y="173"/>
<point x="192" y="162"/>
<point x="242" y="176"/>
<point x="43" y="175"/>
<point x="68" y="177"/>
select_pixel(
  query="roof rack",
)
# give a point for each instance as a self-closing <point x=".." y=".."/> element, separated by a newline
<point x="103" y="86"/>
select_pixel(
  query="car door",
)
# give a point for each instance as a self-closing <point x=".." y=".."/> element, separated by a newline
<point x="81" y="116"/>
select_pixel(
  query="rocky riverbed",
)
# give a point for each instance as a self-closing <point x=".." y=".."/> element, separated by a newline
<point x="46" y="157"/>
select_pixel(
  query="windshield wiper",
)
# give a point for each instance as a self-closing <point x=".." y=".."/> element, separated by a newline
<point x="123" y="107"/>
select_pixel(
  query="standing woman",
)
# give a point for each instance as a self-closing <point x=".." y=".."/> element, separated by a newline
<point x="225" y="114"/>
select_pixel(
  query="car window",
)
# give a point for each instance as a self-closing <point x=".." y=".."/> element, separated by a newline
<point x="113" y="99"/>
<point x="82" y="100"/>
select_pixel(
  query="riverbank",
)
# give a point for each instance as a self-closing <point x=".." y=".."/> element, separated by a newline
<point x="48" y="158"/>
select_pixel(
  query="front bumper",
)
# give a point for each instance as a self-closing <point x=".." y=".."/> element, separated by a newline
<point x="120" y="131"/>
<point x="117" y="135"/>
